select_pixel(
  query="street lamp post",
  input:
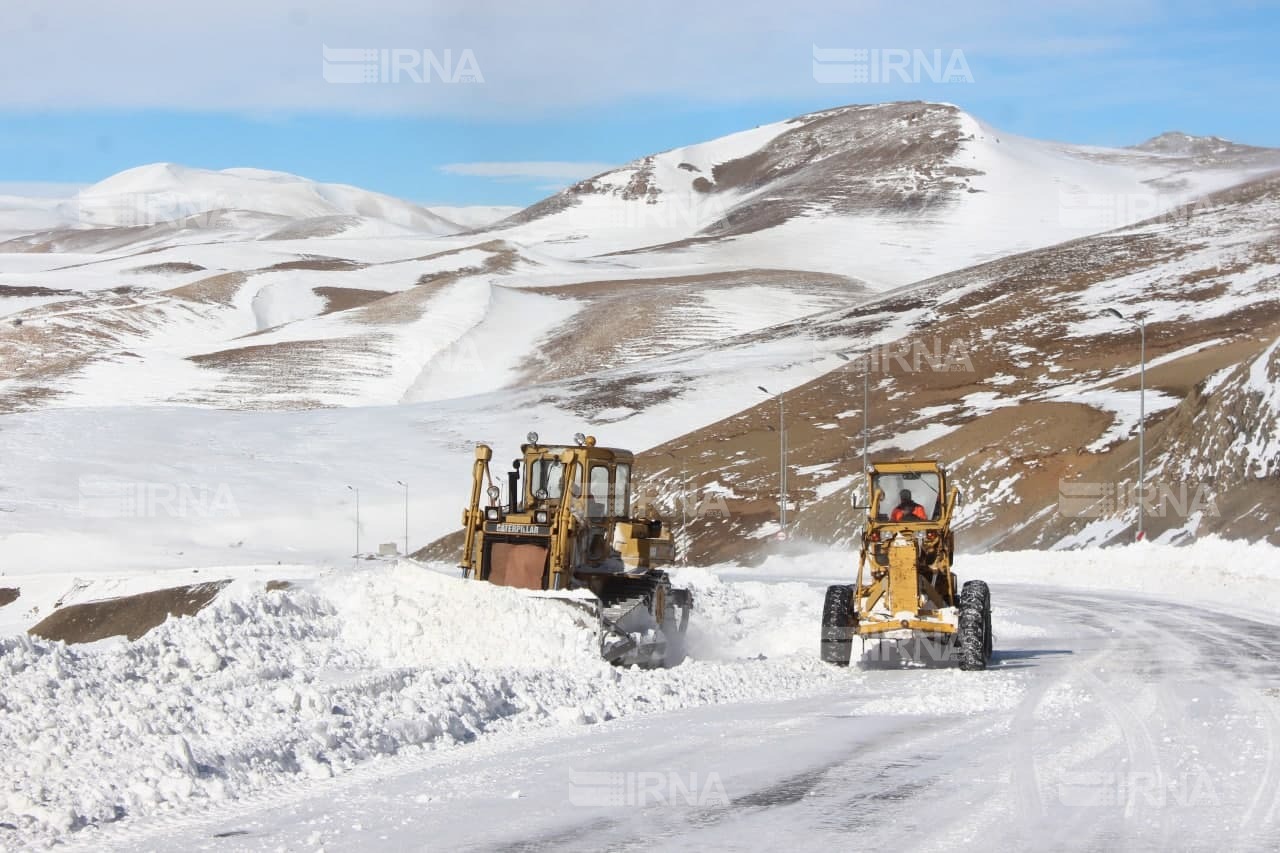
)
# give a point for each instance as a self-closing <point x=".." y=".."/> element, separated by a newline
<point x="406" y="515"/>
<point x="866" y="405"/>
<point x="1142" y="414"/>
<point x="866" y="409"/>
<point x="867" y="374"/>
<point x="357" y="491"/>
<point x="782" y="463"/>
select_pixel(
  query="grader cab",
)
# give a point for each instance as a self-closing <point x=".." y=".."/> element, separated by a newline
<point x="566" y="529"/>
<point x="907" y="598"/>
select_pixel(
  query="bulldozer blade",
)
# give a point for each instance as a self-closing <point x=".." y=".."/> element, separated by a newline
<point x="616" y="644"/>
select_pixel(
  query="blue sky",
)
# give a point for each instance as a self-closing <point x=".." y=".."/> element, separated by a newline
<point x="570" y="87"/>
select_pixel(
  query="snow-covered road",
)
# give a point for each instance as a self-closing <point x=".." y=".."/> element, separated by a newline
<point x="1108" y="722"/>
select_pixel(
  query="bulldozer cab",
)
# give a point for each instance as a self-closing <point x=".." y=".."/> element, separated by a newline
<point x="600" y="485"/>
<point x="566" y="517"/>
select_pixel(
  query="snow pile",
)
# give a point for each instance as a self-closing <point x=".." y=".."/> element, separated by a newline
<point x="267" y="687"/>
<point x="733" y="621"/>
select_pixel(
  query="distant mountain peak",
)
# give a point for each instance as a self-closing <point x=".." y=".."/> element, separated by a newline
<point x="165" y="192"/>
<point x="1186" y="144"/>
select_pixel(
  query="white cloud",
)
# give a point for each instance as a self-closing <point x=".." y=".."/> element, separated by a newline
<point x="39" y="189"/>
<point x="266" y="58"/>
<point x="529" y="170"/>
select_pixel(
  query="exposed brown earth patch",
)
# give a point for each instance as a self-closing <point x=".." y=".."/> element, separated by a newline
<point x="345" y="298"/>
<point x="221" y="288"/>
<point x="129" y="616"/>
<point x="314" y="228"/>
<point x="32" y="290"/>
<point x="495" y="246"/>
<point x="319" y="265"/>
<point x="287" y="375"/>
<point x="170" y="267"/>
<point x="8" y="595"/>
<point x="447" y="548"/>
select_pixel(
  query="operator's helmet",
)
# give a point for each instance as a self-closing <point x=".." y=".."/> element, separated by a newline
<point x="904" y="496"/>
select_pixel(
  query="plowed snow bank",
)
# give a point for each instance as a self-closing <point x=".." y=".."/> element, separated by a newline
<point x="262" y="687"/>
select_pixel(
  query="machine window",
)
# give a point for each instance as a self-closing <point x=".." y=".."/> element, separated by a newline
<point x="909" y="490"/>
<point x="547" y="475"/>
<point x="622" y="491"/>
<point x="598" y="492"/>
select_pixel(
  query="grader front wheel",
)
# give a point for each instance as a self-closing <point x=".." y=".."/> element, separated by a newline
<point x="974" y="626"/>
<point x="838" y="626"/>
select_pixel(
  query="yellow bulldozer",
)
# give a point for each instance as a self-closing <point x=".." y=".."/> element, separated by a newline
<point x="566" y="530"/>
<point x="906" y="601"/>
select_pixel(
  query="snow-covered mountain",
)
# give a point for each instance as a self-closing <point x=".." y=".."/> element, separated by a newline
<point x="474" y="215"/>
<point x="647" y="304"/>
<point x="164" y="203"/>
<point x="1011" y="373"/>
<point x="887" y="193"/>
<point x="165" y="192"/>
<point x="1206" y="150"/>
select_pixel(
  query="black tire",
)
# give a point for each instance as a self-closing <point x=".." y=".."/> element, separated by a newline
<point x="974" y="626"/>
<point x="839" y="624"/>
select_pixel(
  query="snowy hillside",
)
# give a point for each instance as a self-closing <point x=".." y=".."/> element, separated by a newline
<point x="164" y="203"/>
<point x="889" y="194"/>
<point x="1042" y="390"/>
<point x="474" y="215"/>
<point x="370" y="345"/>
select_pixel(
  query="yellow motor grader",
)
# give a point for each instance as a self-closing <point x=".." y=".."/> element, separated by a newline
<point x="566" y="529"/>
<point x="906" y="598"/>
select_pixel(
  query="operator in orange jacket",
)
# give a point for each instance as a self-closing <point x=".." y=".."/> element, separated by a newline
<point x="907" y="509"/>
